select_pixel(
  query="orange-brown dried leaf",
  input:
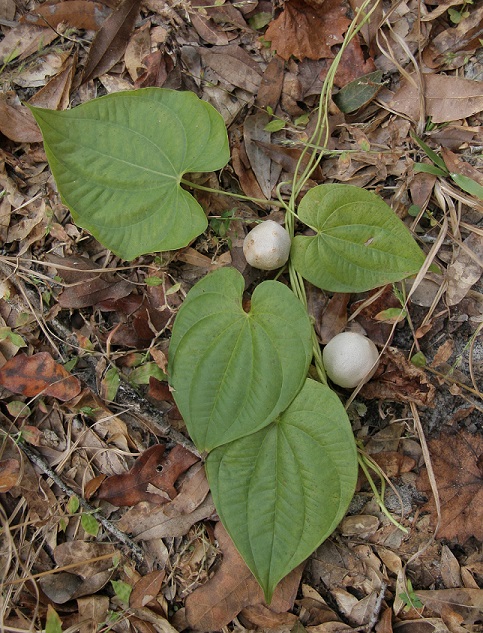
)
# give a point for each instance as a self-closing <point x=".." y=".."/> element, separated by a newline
<point x="457" y="461"/>
<point x="151" y="469"/>
<point x="146" y="589"/>
<point x="9" y="474"/>
<point x="80" y="14"/>
<point x="39" y="374"/>
<point x="398" y="380"/>
<point x="456" y="164"/>
<point x="232" y="588"/>
<point x="303" y="30"/>
<point x="17" y="122"/>
<point x="111" y="39"/>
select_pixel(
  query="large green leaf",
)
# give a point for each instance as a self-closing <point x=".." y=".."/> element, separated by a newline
<point x="359" y="243"/>
<point x="233" y="371"/>
<point x="281" y="491"/>
<point x="118" y="161"/>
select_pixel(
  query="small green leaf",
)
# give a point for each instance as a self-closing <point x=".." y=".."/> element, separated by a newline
<point x="431" y="154"/>
<point x="359" y="92"/>
<point x="359" y="244"/>
<point x="234" y="371"/>
<point x="153" y="281"/>
<point x="118" y="163"/>
<point x="391" y="315"/>
<point x="281" y="491"/>
<point x="7" y="334"/>
<point x="110" y="383"/>
<point x="429" y="169"/>
<point x="18" y="409"/>
<point x="419" y="359"/>
<point x="73" y="505"/>
<point x="53" y="623"/>
<point x="142" y="374"/>
<point x="275" y="126"/>
<point x="469" y="185"/>
<point x="90" y="524"/>
<point x="122" y="590"/>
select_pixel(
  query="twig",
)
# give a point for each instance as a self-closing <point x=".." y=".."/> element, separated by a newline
<point x="136" y="551"/>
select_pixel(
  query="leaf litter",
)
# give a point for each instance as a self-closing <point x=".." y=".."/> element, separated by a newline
<point x="240" y="57"/>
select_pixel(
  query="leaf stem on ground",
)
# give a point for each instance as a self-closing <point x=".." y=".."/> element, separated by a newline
<point x="239" y="196"/>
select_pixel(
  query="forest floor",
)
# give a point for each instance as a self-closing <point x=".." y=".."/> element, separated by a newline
<point x="82" y="556"/>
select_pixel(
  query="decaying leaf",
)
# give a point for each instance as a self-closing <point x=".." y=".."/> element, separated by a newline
<point x="17" y="122"/>
<point x="111" y="39"/>
<point x="447" y="98"/>
<point x="457" y="464"/>
<point x="193" y="503"/>
<point x="151" y="472"/>
<point x="87" y="288"/>
<point x="81" y="14"/>
<point x="233" y="587"/>
<point x="398" y="380"/>
<point x="9" y="474"/>
<point x="146" y="589"/>
<point x="303" y="30"/>
<point x="465" y="270"/>
<point x="39" y="374"/>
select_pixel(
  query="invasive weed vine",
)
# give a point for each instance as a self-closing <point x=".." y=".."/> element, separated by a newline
<point x="280" y="455"/>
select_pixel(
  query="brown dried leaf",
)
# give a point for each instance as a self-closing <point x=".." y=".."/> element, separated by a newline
<point x="16" y="121"/>
<point x="55" y="94"/>
<point x="453" y="46"/>
<point x="82" y="551"/>
<point x="464" y="271"/>
<point x="111" y="40"/>
<point x="87" y="288"/>
<point x="233" y="64"/>
<point x="271" y="85"/>
<point x="456" y="164"/>
<point x="192" y="504"/>
<point x="304" y="31"/>
<point x="39" y="374"/>
<point x="9" y="474"/>
<point x="146" y="589"/>
<point x="80" y="14"/>
<point x="334" y="317"/>
<point x="468" y="603"/>
<point x="233" y="587"/>
<point x="447" y="98"/>
<point x="399" y="380"/>
<point x="457" y="463"/>
<point x="150" y="469"/>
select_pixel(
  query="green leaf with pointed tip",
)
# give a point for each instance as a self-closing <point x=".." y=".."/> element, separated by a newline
<point x="359" y="243"/>
<point x="281" y="491"/>
<point x="469" y="185"/>
<point x="118" y="161"/>
<point x="234" y="371"/>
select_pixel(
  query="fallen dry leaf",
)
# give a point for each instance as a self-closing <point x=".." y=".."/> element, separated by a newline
<point x="447" y="98"/>
<point x="111" y="40"/>
<point x="16" y="121"/>
<point x="304" y="31"/>
<point x="233" y="588"/>
<point x="151" y="470"/>
<point x="464" y="271"/>
<point x="87" y="288"/>
<point x="146" y="589"/>
<point x="9" y="474"/>
<point x="458" y="468"/>
<point x="80" y="14"/>
<point x="39" y="374"/>
<point x="399" y="380"/>
<point x="468" y="603"/>
<point x="145" y="521"/>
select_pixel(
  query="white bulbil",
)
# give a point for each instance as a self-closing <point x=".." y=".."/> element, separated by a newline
<point x="348" y="358"/>
<point x="267" y="246"/>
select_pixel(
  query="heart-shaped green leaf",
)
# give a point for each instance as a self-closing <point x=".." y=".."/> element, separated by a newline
<point x="233" y="371"/>
<point x="281" y="491"/>
<point x="359" y="243"/>
<point x="118" y="161"/>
